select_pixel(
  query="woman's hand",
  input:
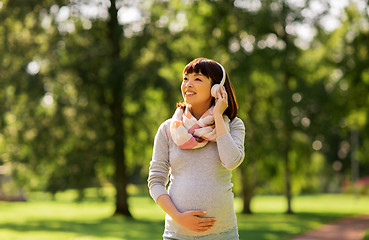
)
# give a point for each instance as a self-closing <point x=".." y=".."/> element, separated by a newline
<point x="192" y="220"/>
<point x="188" y="219"/>
<point x="221" y="101"/>
<point x="221" y="104"/>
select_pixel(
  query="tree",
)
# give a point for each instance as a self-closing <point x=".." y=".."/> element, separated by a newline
<point x="117" y="81"/>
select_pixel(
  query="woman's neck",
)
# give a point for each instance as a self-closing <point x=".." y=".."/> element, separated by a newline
<point x="199" y="110"/>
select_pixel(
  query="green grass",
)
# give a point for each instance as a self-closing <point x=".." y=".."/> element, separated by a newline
<point x="366" y="235"/>
<point x="43" y="219"/>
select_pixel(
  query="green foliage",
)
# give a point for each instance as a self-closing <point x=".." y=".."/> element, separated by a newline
<point x="299" y="102"/>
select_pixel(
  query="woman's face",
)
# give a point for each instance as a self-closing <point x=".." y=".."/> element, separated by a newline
<point x="196" y="89"/>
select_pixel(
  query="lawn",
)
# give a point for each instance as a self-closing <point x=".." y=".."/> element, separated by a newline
<point x="44" y="219"/>
<point x="366" y="235"/>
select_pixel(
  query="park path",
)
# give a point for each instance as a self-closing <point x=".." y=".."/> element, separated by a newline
<point x="352" y="228"/>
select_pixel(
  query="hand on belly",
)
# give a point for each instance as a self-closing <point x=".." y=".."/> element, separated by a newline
<point x="193" y="221"/>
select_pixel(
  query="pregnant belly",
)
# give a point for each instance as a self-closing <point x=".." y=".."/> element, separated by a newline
<point x="215" y="199"/>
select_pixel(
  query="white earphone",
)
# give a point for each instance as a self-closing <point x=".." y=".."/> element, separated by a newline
<point x="215" y="87"/>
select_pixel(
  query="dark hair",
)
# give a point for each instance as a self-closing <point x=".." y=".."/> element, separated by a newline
<point x="212" y="70"/>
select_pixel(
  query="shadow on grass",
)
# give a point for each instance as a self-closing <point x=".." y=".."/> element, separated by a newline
<point x="276" y="226"/>
<point x="259" y="226"/>
<point x="114" y="227"/>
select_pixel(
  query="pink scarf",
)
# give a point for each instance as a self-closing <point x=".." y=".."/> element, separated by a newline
<point x="189" y="133"/>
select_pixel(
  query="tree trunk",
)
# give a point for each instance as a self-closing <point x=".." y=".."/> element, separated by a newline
<point x="286" y="94"/>
<point x="247" y="189"/>
<point x="120" y="179"/>
<point x="116" y="78"/>
<point x="286" y="144"/>
<point x="287" y="175"/>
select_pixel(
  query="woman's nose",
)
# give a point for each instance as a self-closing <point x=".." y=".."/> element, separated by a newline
<point x="189" y="83"/>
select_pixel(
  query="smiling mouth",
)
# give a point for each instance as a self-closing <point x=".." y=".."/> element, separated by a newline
<point x="189" y="93"/>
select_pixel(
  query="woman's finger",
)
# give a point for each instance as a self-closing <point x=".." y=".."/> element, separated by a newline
<point x="207" y="220"/>
<point x="206" y="224"/>
<point x="219" y="93"/>
<point x="224" y="92"/>
<point x="203" y="229"/>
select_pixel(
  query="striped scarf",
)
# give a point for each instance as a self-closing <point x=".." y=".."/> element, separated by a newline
<point x="189" y="133"/>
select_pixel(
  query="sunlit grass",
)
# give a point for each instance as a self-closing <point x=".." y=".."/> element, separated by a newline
<point x="366" y="235"/>
<point x="89" y="220"/>
<point x="320" y="203"/>
<point x="42" y="218"/>
<point x="268" y="221"/>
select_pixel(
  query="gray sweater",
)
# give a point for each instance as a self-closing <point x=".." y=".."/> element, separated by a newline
<point x="200" y="179"/>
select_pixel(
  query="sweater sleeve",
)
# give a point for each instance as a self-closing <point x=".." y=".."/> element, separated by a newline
<point x="159" y="165"/>
<point x="231" y="145"/>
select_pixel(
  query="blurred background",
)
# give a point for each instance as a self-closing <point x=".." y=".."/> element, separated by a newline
<point x="85" y="84"/>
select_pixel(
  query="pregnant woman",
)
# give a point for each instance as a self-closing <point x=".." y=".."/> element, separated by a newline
<point x="196" y="151"/>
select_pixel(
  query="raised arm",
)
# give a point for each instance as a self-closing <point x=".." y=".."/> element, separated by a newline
<point x="230" y="143"/>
